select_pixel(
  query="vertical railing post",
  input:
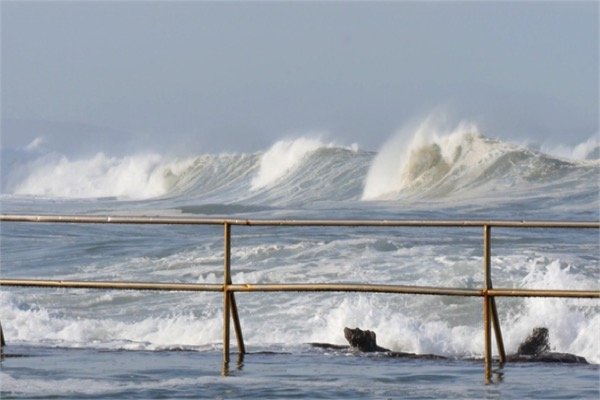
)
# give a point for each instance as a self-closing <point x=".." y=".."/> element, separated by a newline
<point x="226" y="298"/>
<point x="234" y="311"/>
<point x="487" y="336"/>
<point x="492" y="311"/>
<point x="229" y="305"/>
<point x="497" y="329"/>
<point x="236" y="324"/>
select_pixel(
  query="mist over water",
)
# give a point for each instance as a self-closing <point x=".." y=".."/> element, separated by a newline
<point x="428" y="160"/>
<point x="426" y="171"/>
<point x="423" y="157"/>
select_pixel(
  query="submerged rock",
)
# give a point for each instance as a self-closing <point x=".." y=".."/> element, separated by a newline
<point x="535" y="348"/>
<point x="365" y="341"/>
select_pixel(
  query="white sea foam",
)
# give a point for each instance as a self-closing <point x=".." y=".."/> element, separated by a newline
<point x="587" y="150"/>
<point x="440" y="168"/>
<point x="428" y="161"/>
<point x="422" y="158"/>
<point x="131" y="177"/>
<point x="37" y="325"/>
<point x="283" y="157"/>
<point x="432" y="161"/>
<point x="424" y="324"/>
<point x="570" y="323"/>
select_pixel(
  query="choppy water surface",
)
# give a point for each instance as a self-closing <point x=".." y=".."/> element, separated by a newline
<point x="84" y="343"/>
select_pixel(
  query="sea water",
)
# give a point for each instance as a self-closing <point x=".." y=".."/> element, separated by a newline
<point x="99" y="344"/>
<point x="92" y="373"/>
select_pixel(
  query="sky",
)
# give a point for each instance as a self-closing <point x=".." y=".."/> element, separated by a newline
<point x="195" y="76"/>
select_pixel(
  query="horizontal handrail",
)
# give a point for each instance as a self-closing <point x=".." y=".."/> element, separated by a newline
<point x="140" y="220"/>
<point x="114" y="285"/>
<point x="228" y="288"/>
<point x="582" y="294"/>
<point x="300" y="287"/>
<point x="246" y="287"/>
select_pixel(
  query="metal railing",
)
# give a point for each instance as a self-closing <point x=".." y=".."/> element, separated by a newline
<point x="228" y="288"/>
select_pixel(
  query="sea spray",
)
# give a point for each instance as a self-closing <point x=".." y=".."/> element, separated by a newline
<point x="422" y="324"/>
<point x="422" y="163"/>
<point x="422" y="157"/>
<point x="587" y="150"/>
<point x="131" y="177"/>
<point x="432" y="161"/>
<point x="281" y="158"/>
<point x="460" y="174"/>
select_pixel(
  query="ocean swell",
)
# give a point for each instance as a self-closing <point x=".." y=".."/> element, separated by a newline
<point x="431" y="161"/>
<point x="281" y="158"/>
<point x="423" y="162"/>
<point x="133" y="177"/>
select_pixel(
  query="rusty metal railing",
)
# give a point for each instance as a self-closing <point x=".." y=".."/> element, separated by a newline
<point x="228" y="288"/>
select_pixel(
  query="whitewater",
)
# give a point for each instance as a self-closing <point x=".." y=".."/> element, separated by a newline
<point x="425" y="171"/>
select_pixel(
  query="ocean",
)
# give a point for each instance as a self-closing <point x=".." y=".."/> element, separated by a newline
<point x="113" y="344"/>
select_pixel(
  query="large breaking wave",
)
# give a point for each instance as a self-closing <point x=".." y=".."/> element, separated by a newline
<point x="428" y="161"/>
<point x="433" y="161"/>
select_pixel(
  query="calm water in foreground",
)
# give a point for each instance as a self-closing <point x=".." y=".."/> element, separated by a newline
<point x="90" y="374"/>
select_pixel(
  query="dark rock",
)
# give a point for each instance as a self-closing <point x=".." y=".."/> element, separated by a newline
<point x="329" y="346"/>
<point x="365" y="341"/>
<point x="535" y="348"/>
<point x="548" y="357"/>
<point x="536" y="343"/>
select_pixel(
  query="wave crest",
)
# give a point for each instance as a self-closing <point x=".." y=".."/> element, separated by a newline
<point x="419" y="158"/>
<point x="282" y="158"/>
<point x="130" y="177"/>
<point x="427" y="162"/>
<point x="432" y="161"/>
<point x="588" y="150"/>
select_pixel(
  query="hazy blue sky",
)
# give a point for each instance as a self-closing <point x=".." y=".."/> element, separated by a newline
<point x="237" y="76"/>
